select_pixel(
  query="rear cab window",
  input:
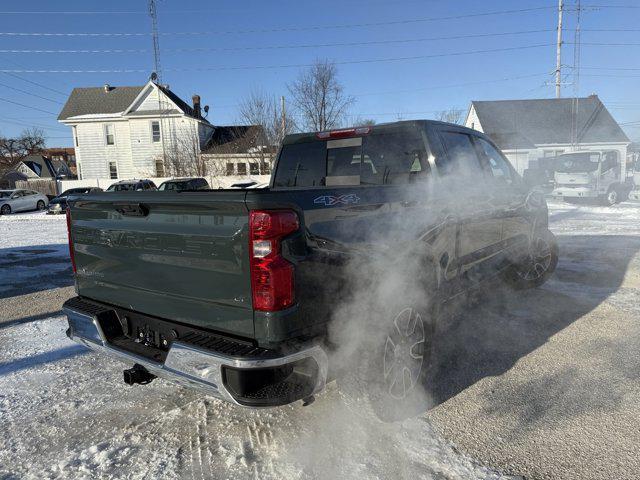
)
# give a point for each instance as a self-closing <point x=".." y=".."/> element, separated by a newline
<point x="378" y="158"/>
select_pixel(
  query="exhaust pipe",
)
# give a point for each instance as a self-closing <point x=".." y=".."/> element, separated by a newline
<point x="138" y="375"/>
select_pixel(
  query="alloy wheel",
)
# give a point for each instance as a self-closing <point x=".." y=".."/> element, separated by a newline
<point x="404" y="354"/>
<point x="539" y="260"/>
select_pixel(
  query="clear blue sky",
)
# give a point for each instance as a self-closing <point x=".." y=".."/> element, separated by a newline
<point x="414" y="88"/>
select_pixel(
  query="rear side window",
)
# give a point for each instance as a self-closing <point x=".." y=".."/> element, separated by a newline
<point x="462" y="159"/>
<point x="302" y="165"/>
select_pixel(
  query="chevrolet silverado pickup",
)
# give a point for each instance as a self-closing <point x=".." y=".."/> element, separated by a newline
<point x="234" y="292"/>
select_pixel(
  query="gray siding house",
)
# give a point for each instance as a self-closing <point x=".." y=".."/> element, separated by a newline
<point x="526" y="130"/>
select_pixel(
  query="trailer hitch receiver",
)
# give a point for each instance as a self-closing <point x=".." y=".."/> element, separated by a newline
<point x="138" y="375"/>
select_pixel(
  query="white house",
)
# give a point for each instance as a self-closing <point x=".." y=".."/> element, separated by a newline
<point x="526" y="130"/>
<point x="135" y="132"/>
<point x="238" y="150"/>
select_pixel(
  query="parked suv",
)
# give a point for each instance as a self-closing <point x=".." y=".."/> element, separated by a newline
<point x="337" y="270"/>
<point x="59" y="204"/>
<point x="182" y="184"/>
<point x="132" y="185"/>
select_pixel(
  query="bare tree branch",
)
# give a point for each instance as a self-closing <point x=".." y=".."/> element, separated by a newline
<point x="319" y="98"/>
<point x="453" y="115"/>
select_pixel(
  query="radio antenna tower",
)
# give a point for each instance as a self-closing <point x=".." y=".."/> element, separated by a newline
<point x="156" y="44"/>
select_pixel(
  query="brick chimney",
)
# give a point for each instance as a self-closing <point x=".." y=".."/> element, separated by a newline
<point x="196" y="106"/>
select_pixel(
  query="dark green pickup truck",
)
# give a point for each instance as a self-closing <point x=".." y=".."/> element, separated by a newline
<point x="238" y="292"/>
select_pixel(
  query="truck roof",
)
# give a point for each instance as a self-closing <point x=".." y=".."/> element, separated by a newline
<point x="385" y="127"/>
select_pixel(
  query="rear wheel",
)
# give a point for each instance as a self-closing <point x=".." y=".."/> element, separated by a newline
<point x="40" y="205"/>
<point x="612" y="197"/>
<point x="538" y="265"/>
<point x="5" y="210"/>
<point x="389" y="379"/>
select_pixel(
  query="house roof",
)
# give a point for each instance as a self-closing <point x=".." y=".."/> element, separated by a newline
<point x="235" y="139"/>
<point x="525" y="123"/>
<point x="95" y="100"/>
<point x="108" y="100"/>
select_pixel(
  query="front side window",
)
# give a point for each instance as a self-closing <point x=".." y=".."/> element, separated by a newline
<point x="155" y="131"/>
<point x="109" y="133"/>
<point x="500" y="170"/>
<point x="113" y="170"/>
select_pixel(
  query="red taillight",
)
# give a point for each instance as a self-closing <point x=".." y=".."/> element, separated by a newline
<point x="272" y="276"/>
<point x="71" y="251"/>
<point x="343" y="133"/>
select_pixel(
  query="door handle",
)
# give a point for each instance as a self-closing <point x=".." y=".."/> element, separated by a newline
<point x="132" y="209"/>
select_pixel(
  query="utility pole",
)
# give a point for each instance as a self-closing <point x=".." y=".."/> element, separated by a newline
<point x="154" y="34"/>
<point x="283" y="118"/>
<point x="559" y="49"/>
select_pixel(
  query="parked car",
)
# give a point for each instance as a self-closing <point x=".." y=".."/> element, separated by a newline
<point x="182" y="184"/>
<point x="132" y="186"/>
<point x="21" y="200"/>
<point x="234" y="292"/>
<point x="59" y="204"/>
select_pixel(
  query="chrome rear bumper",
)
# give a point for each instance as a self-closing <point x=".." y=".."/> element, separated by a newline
<point x="187" y="364"/>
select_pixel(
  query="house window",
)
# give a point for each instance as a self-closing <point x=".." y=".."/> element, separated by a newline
<point x="254" y="169"/>
<point x="159" y="167"/>
<point x="266" y="168"/>
<point x="231" y="168"/>
<point x="109" y="133"/>
<point x="75" y="136"/>
<point x="113" y="170"/>
<point x="155" y="132"/>
<point x="242" y="168"/>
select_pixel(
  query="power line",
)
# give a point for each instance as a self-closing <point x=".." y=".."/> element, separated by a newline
<point x="29" y="124"/>
<point x="297" y="65"/>
<point x="286" y="29"/>
<point x="279" y="47"/>
<point x="26" y="106"/>
<point x="34" y="83"/>
<point x="29" y="93"/>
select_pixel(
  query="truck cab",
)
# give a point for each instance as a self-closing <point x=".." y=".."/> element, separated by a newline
<point x="591" y="174"/>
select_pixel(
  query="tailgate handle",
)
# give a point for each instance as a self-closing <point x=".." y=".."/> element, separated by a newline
<point x="132" y="209"/>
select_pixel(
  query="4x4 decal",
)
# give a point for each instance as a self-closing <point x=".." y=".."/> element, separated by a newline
<point x="330" y="200"/>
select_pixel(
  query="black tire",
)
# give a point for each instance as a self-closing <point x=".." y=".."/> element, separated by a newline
<point x="612" y="197"/>
<point x="5" y="210"/>
<point x="40" y="205"/>
<point x="539" y="264"/>
<point x="389" y="377"/>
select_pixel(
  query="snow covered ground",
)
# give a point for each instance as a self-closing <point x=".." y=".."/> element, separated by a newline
<point x="65" y="412"/>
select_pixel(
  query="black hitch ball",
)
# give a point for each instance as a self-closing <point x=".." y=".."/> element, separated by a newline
<point x="137" y="375"/>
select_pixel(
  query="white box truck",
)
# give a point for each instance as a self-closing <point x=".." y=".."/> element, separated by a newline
<point x="591" y="174"/>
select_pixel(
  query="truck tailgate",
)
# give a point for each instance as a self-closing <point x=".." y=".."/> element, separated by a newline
<point x="178" y="256"/>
